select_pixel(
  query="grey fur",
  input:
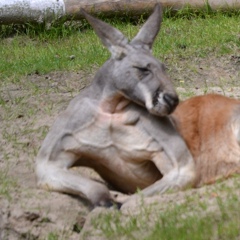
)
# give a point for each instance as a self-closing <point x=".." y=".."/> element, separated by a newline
<point x="119" y="125"/>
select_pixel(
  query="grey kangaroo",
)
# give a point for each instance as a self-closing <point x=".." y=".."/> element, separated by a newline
<point x="119" y="126"/>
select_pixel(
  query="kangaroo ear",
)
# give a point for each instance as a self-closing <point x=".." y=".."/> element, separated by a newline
<point x="111" y="38"/>
<point x="149" y="30"/>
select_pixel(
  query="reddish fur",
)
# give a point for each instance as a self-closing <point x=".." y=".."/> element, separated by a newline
<point x="206" y="124"/>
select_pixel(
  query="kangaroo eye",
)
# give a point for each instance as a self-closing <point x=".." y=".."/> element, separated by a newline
<point x="142" y="72"/>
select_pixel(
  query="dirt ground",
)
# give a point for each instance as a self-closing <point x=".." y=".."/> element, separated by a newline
<point x="29" y="108"/>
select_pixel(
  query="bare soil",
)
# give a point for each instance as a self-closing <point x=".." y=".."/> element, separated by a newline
<point x="29" y="108"/>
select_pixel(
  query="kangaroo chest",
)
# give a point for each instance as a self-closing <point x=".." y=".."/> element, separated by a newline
<point x="119" y="145"/>
<point x="119" y="134"/>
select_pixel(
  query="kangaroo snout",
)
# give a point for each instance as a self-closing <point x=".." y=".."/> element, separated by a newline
<point x="164" y="104"/>
<point x="171" y="100"/>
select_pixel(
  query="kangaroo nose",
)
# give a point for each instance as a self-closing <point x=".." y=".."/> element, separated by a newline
<point x="172" y="101"/>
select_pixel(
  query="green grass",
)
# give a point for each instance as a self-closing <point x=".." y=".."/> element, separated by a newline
<point x="36" y="49"/>
<point x="199" y="37"/>
<point x="6" y="185"/>
<point x="194" y="219"/>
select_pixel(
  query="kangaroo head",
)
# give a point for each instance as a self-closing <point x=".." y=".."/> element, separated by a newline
<point x="134" y="72"/>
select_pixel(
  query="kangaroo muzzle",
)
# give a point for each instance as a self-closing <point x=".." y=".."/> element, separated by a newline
<point x="171" y="101"/>
<point x="164" y="103"/>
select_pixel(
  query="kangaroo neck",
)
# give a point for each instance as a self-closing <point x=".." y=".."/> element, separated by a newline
<point x="113" y="104"/>
<point x="103" y="88"/>
<point x="110" y="99"/>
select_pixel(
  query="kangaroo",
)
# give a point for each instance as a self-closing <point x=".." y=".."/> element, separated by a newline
<point x="119" y="125"/>
<point x="210" y="126"/>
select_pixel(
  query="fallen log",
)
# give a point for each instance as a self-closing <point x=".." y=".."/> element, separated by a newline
<point x="22" y="11"/>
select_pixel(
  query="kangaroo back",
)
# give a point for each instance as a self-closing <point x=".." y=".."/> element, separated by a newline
<point x="210" y="125"/>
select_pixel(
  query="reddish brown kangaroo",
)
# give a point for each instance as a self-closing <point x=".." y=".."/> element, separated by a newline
<point x="210" y="125"/>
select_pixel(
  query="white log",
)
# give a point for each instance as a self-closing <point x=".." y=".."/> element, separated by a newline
<point x="22" y="11"/>
<point x="199" y="4"/>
